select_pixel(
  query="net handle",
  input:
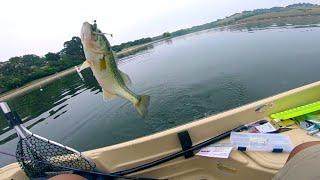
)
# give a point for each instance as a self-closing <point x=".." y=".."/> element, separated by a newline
<point x="13" y="120"/>
<point x="12" y="117"/>
<point x="16" y="123"/>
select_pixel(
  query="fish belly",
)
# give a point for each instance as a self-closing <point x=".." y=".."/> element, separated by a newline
<point x="111" y="84"/>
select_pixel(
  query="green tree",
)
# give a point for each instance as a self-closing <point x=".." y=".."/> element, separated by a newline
<point x="72" y="54"/>
<point x="73" y="48"/>
<point x="166" y="34"/>
<point x="52" y="56"/>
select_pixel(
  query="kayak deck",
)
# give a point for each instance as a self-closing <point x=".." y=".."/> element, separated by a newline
<point x="240" y="165"/>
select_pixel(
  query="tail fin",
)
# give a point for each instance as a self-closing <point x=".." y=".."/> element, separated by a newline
<point x="142" y="105"/>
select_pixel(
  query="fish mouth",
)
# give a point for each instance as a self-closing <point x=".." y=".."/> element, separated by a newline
<point x="87" y="31"/>
<point x="93" y="39"/>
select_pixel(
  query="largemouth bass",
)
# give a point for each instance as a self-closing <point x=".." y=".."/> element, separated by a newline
<point x="101" y="60"/>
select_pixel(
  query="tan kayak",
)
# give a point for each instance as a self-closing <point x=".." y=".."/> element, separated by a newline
<point x="240" y="165"/>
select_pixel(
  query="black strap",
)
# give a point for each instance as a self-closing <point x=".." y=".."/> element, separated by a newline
<point x="186" y="143"/>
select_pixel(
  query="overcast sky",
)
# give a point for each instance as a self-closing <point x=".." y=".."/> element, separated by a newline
<point x="41" y="26"/>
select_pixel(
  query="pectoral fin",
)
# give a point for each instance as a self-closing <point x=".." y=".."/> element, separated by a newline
<point x="125" y="78"/>
<point x="107" y="96"/>
<point x="85" y="65"/>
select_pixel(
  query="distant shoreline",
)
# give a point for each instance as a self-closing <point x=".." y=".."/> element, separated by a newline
<point x="48" y="79"/>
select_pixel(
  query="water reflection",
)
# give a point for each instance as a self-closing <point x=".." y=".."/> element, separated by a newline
<point x="52" y="99"/>
<point x="168" y="41"/>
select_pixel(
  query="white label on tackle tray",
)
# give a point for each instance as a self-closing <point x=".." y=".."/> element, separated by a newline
<point x="261" y="141"/>
<point x="266" y="127"/>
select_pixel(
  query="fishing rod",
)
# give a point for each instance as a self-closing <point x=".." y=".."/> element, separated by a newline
<point x="37" y="155"/>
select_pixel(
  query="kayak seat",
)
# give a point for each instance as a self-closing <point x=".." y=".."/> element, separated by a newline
<point x="302" y="163"/>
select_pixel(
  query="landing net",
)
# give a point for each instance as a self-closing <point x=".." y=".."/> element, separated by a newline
<point x="38" y="156"/>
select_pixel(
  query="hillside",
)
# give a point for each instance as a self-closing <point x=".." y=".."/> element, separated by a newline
<point x="295" y="14"/>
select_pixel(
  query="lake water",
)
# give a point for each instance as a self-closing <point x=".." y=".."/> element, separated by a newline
<point x="188" y="78"/>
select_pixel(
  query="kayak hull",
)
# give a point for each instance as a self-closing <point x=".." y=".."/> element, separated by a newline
<point x="240" y="165"/>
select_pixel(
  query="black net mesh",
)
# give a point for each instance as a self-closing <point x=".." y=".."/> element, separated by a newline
<point x="37" y="156"/>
